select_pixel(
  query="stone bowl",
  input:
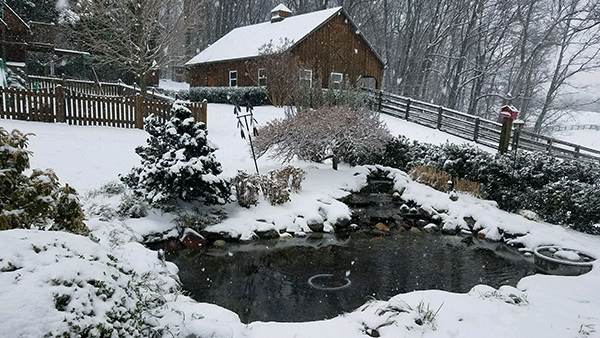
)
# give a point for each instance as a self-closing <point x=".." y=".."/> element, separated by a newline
<point x="557" y="260"/>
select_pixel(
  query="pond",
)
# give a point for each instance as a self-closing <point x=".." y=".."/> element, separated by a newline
<point x="322" y="276"/>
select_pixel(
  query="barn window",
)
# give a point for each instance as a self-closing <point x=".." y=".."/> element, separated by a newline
<point x="262" y="77"/>
<point x="233" y="78"/>
<point x="306" y="78"/>
<point x="336" y="80"/>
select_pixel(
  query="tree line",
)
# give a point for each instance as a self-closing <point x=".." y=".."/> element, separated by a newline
<point x="469" y="55"/>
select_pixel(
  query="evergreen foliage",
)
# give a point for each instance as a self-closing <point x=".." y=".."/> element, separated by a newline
<point x="256" y="96"/>
<point x="178" y="163"/>
<point x="560" y="191"/>
<point x="36" y="200"/>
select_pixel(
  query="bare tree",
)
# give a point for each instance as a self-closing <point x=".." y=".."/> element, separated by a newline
<point x="577" y="51"/>
<point x="134" y="35"/>
<point x="281" y="71"/>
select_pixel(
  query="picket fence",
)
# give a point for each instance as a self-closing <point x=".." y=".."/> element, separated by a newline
<point x="68" y="106"/>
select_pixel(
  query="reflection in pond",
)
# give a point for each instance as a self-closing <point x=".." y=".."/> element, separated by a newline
<point x="269" y="280"/>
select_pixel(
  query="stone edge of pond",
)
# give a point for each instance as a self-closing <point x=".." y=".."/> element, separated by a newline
<point x="409" y="216"/>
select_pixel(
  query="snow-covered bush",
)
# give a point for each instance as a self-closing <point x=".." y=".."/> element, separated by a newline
<point x="115" y="200"/>
<point x="178" y="163"/>
<point x="315" y="135"/>
<point x="256" y="96"/>
<point x="560" y="191"/>
<point x="247" y="188"/>
<point x="36" y="200"/>
<point x="276" y="186"/>
<point x="63" y="285"/>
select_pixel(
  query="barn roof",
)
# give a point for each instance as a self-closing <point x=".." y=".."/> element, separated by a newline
<point x="245" y="42"/>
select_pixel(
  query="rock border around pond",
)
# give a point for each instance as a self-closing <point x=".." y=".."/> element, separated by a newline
<point x="379" y="206"/>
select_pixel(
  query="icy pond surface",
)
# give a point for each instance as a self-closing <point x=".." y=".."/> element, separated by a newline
<point x="269" y="280"/>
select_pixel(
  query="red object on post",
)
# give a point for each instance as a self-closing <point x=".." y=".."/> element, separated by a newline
<point x="509" y="111"/>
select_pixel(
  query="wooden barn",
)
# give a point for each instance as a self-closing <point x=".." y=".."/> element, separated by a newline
<point x="327" y="43"/>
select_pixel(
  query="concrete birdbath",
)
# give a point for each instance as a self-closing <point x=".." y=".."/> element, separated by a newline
<point x="557" y="260"/>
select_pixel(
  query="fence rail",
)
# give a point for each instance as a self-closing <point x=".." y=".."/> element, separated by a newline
<point x="69" y="106"/>
<point x="574" y="127"/>
<point x="90" y="87"/>
<point x="471" y="127"/>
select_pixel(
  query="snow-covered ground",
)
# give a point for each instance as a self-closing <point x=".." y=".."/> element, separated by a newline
<point x="172" y="85"/>
<point x="38" y="264"/>
<point x="587" y="138"/>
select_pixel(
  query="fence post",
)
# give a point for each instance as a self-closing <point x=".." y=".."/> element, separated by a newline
<point x="439" y="118"/>
<point x="577" y="149"/>
<point x="204" y="113"/>
<point x="549" y="147"/>
<point x="407" y="109"/>
<point x="139" y="111"/>
<point x="476" y="131"/>
<point x="379" y="101"/>
<point x="61" y="113"/>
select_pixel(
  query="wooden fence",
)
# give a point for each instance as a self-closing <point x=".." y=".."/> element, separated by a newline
<point x="90" y="87"/>
<point x="471" y="127"/>
<point x="68" y="106"/>
<point x="574" y="127"/>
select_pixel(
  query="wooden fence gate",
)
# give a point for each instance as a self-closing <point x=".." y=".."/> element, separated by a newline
<point x="68" y="106"/>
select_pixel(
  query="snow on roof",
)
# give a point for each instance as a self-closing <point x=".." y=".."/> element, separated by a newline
<point x="282" y="8"/>
<point x="244" y="42"/>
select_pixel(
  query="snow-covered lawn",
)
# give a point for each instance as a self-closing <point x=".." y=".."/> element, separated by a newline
<point x="587" y="138"/>
<point x="35" y="265"/>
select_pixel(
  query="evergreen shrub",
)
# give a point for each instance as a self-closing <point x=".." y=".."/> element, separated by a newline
<point x="37" y="200"/>
<point x="178" y="163"/>
<point x="255" y="96"/>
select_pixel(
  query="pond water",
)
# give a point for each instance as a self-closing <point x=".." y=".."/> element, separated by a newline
<point x="323" y="276"/>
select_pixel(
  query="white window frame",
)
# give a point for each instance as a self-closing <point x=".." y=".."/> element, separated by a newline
<point x="262" y="75"/>
<point x="306" y="78"/>
<point x="232" y="79"/>
<point x="336" y="84"/>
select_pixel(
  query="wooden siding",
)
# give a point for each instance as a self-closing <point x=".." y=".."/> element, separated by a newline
<point x="217" y="74"/>
<point x="334" y="47"/>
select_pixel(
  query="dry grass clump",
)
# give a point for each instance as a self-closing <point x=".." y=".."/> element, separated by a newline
<point x="438" y="180"/>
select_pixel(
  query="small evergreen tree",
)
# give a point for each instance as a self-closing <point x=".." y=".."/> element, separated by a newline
<point x="178" y="163"/>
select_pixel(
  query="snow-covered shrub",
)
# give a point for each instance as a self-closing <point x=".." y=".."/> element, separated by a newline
<point x="276" y="186"/>
<point x="178" y="163"/>
<point x="131" y="206"/>
<point x="247" y="188"/>
<point x="256" y="96"/>
<point x="68" y="286"/>
<point x="275" y="190"/>
<point x="291" y="176"/>
<point x="36" y="200"/>
<point x="115" y="200"/>
<point x="315" y="135"/>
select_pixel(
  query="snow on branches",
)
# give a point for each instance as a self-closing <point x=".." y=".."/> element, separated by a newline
<point x="178" y="163"/>
<point x="315" y="135"/>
